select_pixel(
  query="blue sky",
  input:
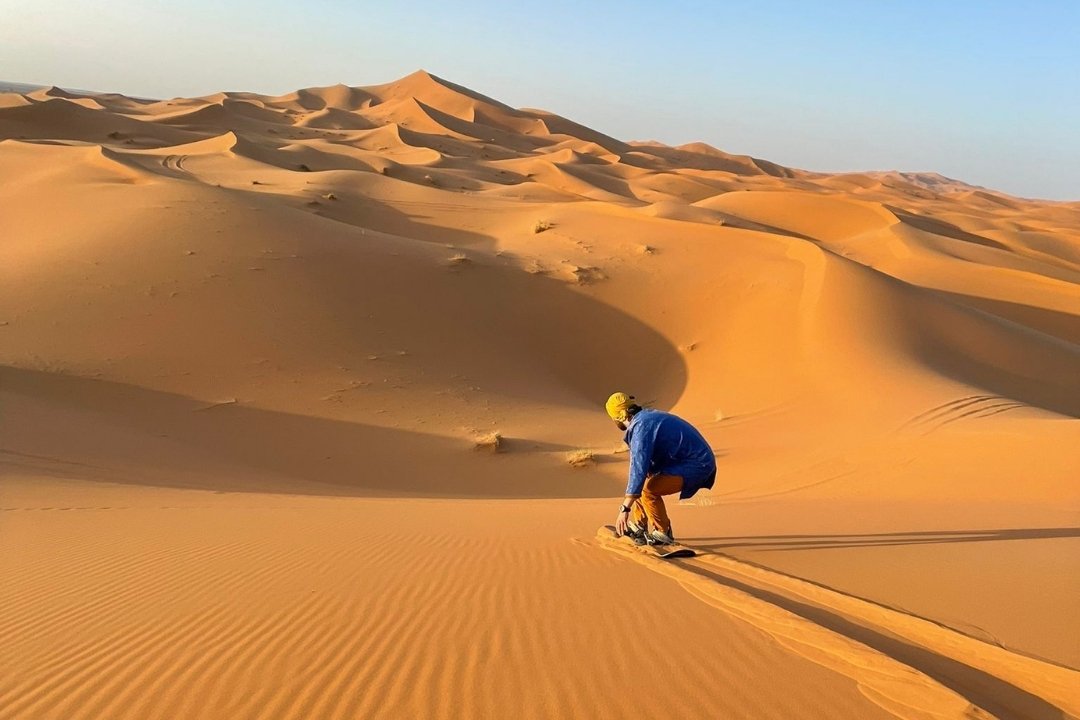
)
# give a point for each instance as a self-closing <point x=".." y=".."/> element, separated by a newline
<point x="986" y="92"/>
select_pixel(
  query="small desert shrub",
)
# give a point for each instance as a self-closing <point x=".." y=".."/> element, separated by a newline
<point x="541" y="226"/>
<point x="581" y="458"/>
<point x="587" y="275"/>
<point x="488" y="442"/>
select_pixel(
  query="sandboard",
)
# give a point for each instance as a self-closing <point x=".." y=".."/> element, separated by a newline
<point x="664" y="552"/>
<point x="670" y="552"/>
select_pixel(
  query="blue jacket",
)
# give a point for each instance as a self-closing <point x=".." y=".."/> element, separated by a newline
<point x="664" y="443"/>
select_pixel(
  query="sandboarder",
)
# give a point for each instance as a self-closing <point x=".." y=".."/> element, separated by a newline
<point x="667" y="455"/>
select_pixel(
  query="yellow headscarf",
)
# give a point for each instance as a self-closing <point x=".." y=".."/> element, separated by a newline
<point x="616" y="406"/>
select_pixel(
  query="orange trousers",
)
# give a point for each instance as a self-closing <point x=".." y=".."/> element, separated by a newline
<point x="650" y="506"/>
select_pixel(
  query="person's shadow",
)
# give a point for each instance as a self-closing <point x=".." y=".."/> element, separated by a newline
<point x="828" y="542"/>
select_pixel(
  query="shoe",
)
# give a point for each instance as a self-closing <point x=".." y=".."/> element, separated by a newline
<point x="636" y="533"/>
<point x="657" y="537"/>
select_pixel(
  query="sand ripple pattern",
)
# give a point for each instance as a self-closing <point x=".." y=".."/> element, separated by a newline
<point x="363" y="609"/>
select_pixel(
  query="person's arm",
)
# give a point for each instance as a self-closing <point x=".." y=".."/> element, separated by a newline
<point x="641" y="451"/>
<point x="641" y="448"/>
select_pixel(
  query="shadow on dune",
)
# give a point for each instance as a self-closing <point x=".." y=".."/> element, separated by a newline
<point x="511" y="331"/>
<point x="940" y="227"/>
<point x="1051" y="322"/>
<point x="62" y="426"/>
<point x="827" y="542"/>
<point x="1040" y="372"/>
<point x="370" y="213"/>
<point x="951" y="338"/>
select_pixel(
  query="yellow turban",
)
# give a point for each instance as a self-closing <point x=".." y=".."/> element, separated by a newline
<point x="616" y="406"/>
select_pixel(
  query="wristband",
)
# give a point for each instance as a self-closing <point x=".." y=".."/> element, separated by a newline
<point x="624" y="509"/>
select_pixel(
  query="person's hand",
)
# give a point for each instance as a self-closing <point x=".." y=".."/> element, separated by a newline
<point x="620" y="523"/>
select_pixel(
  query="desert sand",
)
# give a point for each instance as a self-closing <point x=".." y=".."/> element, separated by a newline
<point x="301" y="416"/>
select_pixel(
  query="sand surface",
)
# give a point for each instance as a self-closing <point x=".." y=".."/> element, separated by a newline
<point x="289" y="387"/>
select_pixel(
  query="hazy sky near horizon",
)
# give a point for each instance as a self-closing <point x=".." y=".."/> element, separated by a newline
<point x="985" y="92"/>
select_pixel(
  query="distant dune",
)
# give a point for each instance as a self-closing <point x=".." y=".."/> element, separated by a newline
<point x="288" y="388"/>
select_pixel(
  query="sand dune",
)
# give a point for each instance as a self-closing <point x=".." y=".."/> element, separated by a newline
<point x="335" y="97"/>
<point x="62" y="119"/>
<point x="289" y="389"/>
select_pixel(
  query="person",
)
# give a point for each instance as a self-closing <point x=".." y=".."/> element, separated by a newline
<point x="667" y="456"/>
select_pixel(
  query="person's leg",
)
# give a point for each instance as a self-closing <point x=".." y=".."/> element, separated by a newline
<point x="638" y="516"/>
<point x="652" y="499"/>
